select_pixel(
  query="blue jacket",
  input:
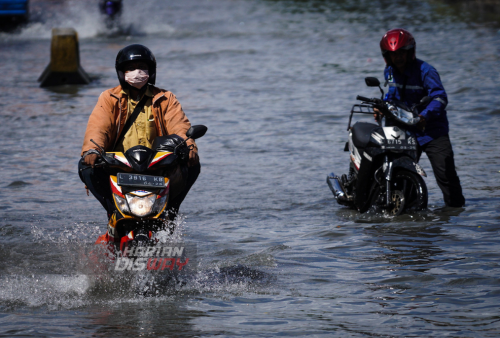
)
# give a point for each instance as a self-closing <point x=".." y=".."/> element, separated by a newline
<point x="421" y="80"/>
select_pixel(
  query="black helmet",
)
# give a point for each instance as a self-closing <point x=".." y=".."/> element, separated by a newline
<point x="135" y="53"/>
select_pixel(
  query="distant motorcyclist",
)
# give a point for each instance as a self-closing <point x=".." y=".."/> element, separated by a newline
<point x="409" y="80"/>
<point x="111" y="9"/>
<point x="159" y="114"/>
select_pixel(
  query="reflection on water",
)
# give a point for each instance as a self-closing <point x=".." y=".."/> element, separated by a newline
<point x="145" y="318"/>
<point x="410" y="248"/>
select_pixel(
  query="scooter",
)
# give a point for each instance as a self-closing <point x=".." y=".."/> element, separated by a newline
<point x="141" y="181"/>
<point x="384" y="173"/>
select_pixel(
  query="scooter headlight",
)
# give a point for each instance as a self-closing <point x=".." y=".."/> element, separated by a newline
<point x="141" y="206"/>
<point x="159" y="204"/>
<point x="122" y="204"/>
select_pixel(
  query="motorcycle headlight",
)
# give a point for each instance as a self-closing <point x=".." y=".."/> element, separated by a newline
<point x="141" y="206"/>
<point x="159" y="204"/>
<point x="122" y="204"/>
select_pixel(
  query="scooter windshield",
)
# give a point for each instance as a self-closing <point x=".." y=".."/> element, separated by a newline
<point x="401" y="113"/>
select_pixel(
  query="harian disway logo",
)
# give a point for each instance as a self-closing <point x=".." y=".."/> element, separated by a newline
<point x="152" y="258"/>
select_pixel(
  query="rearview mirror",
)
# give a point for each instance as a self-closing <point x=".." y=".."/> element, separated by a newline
<point x="372" y="82"/>
<point x="196" y="131"/>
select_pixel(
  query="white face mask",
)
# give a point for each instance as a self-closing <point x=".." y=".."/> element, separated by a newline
<point x="137" y="78"/>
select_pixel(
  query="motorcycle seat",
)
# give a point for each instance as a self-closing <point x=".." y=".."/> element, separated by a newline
<point x="361" y="133"/>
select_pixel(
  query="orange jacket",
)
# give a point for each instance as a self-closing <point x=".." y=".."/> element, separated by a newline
<point x="109" y="116"/>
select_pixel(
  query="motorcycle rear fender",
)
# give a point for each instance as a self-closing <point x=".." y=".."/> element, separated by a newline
<point x="408" y="164"/>
<point x="364" y="182"/>
<point x="365" y="156"/>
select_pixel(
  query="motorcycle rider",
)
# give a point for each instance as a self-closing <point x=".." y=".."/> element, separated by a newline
<point x="161" y="115"/>
<point x="409" y="80"/>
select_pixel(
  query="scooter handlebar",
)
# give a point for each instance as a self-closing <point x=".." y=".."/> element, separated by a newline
<point x="370" y="100"/>
<point x="362" y="98"/>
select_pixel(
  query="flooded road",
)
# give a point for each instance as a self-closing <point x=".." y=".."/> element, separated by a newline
<point x="274" y="82"/>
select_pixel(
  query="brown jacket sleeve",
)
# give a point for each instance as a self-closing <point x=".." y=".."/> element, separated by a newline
<point x="101" y="123"/>
<point x="176" y="122"/>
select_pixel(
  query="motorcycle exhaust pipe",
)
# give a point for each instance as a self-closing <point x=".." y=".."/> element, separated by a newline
<point x="335" y="186"/>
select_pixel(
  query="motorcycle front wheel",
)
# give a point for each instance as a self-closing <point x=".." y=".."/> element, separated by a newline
<point x="409" y="193"/>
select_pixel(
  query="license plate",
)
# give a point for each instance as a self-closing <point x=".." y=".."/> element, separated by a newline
<point x="400" y="146"/>
<point x="141" y="181"/>
<point x="409" y="143"/>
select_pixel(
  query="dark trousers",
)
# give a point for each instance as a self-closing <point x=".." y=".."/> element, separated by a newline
<point x="175" y="203"/>
<point x="440" y="154"/>
<point x="97" y="181"/>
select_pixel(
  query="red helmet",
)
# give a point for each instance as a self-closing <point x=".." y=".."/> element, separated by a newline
<point x="397" y="39"/>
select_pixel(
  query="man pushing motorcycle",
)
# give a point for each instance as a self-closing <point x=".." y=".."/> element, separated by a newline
<point x="134" y="113"/>
<point x="409" y="80"/>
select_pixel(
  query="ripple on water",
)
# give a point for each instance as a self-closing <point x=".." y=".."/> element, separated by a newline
<point x="18" y="184"/>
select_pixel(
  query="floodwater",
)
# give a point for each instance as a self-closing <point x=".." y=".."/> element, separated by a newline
<point x="274" y="82"/>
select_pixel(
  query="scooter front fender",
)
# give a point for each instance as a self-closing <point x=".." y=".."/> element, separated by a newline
<point x="408" y="164"/>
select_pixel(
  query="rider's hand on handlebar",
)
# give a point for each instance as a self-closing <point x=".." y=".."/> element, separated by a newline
<point x="421" y="124"/>
<point x="90" y="159"/>
<point x="193" y="160"/>
<point x="377" y="114"/>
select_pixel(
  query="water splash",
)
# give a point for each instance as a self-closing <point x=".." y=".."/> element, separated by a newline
<point x="137" y="19"/>
<point x="64" y="269"/>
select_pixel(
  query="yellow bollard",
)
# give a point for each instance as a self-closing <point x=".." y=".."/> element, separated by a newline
<point x="64" y="67"/>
